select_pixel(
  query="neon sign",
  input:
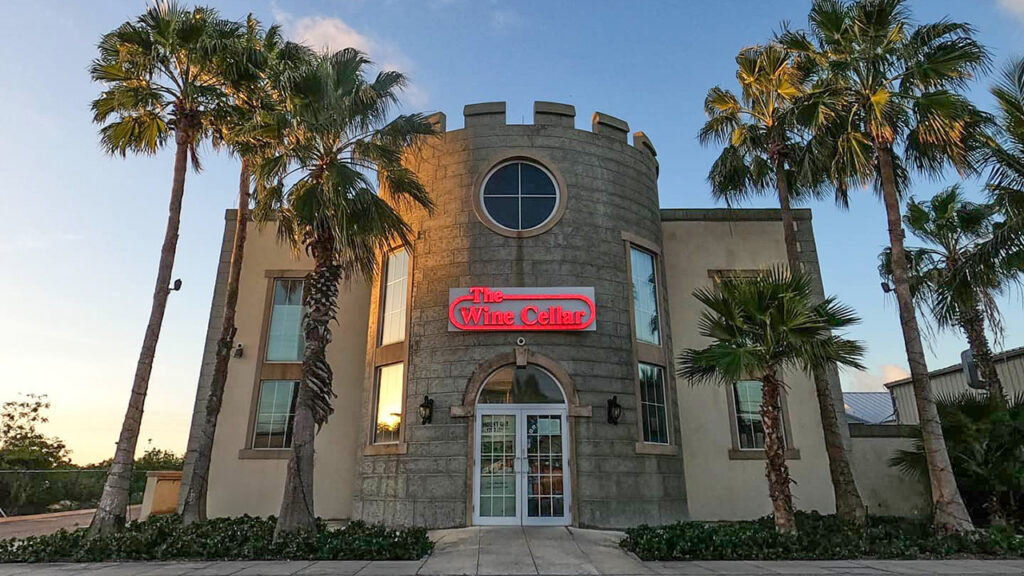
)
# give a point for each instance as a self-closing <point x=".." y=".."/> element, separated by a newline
<point x="521" y="309"/>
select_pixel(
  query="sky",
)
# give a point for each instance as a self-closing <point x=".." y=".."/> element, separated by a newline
<point x="80" y="231"/>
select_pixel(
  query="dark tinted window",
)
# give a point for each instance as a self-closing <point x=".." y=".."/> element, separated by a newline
<point x="520" y="196"/>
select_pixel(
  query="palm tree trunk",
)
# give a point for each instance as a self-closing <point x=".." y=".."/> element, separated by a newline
<point x="197" y="465"/>
<point x="973" y="325"/>
<point x="776" y="469"/>
<point x="314" y="402"/>
<point x="112" y="507"/>
<point x="949" y="512"/>
<point x="849" y="505"/>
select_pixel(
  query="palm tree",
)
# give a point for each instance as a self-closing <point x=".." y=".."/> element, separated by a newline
<point x="881" y="83"/>
<point x="159" y="77"/>
<point x="761" y="327"/>
<point x="986" y="444"/>
<point x="256" y="74"/>
<point x="959" y="275"/>
<point x="320" y="189"/>
<point x="765" y="151"/>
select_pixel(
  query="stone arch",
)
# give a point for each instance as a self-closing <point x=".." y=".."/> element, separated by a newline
<point x="521" y="356"/>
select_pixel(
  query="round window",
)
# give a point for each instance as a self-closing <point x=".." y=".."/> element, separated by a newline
<point x="520" y="195"/>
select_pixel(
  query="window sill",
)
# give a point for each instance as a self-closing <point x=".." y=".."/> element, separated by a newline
<point x="384" y="449"/>
<point x="735" y="454"/>
<point x="656" y="449"/>
<point x="264" y="453"/>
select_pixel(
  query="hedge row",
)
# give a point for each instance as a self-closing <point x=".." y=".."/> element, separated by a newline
<point x="819" y="538"/>
<point x="244" y="538"/>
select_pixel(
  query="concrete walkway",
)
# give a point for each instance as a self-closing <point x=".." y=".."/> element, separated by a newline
<point x="39" y="524"/>
<point x="516" y="551"/>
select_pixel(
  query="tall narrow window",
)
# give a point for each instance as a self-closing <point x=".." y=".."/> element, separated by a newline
<point x="645" y="296"/>
<point x="275" y="413"/>
<point x="396" y="290"/>
<point x="389" y="404"/>
<point x="285" y="341"/>
<point x="747" y="396"/>
<point x="653" y="407"/>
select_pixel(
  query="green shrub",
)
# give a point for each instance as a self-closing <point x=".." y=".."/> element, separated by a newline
<point x="244" y="538"/>
<point x="819" y="538"/>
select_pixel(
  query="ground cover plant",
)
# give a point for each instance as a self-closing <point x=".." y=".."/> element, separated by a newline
<point x="243" y="538"/>
<point x="818" y="538"/>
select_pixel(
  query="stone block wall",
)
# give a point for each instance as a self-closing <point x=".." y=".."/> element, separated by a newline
<point x="610" y="192"/>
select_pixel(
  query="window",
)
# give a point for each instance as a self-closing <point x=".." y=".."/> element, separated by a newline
<point x="389" y="404"/>
<point x="520" y="196"/>
<point x="275" y="413"/>
<point x="285" y="341"/>
<point x="521" y="385"/>
<point x="653" y="407"/>
<point x="645" y="296"/>
<point x="396" y="290"/>
<point x="747" y="396"/>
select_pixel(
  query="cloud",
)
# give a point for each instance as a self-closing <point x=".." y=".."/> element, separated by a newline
<point x="872" y="380"/>
<point x="1015" y="7"/>
<point x="331" y="33"/>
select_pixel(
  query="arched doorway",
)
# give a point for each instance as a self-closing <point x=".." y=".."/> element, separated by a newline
<point x="521" y="472"/>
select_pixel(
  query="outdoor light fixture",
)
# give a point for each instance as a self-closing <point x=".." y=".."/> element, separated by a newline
<point x="239" y="350"/>
<point x="427" y="410"/>
<point x="614" y="410"/>
<point x="176" y="286"/>
<point x="886" y="288"/>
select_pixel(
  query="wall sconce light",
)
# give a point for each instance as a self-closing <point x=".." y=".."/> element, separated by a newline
<point x="614" y="410"/>
<point x="239" y="350"/>
<point x="427" y="410"/>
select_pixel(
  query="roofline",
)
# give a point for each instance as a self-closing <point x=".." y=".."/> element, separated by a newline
<point x="729" y="214"/>
<point x="1005" y="355"/>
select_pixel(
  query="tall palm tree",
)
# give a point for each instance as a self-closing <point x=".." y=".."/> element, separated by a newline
<point x="765" y="151"/>
<point x="321" y="189"/>
<point x="760" y="328"/>
<point x="882" y="83"/>
<point x="159" y="76"/>
<point x="256" y="74"/>
<point x="962" y="271"/>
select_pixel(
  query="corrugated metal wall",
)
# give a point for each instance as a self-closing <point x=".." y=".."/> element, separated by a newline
<point x="1011" y="372"/>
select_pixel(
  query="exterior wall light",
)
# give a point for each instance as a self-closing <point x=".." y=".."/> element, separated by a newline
<point x="427" y="410"/>
<point x="239" y="350"/>
<point x="886" y="287"/>
<point x="614" y="410"/>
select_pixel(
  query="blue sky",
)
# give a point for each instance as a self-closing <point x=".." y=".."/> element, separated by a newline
<point x="81" y="231"/>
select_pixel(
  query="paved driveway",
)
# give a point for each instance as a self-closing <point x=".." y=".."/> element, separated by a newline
<point x="518" y="551"/>
<point x="39" y="524"/>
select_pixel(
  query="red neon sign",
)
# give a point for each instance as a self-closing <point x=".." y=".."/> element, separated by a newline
<point x="494" y="310"/>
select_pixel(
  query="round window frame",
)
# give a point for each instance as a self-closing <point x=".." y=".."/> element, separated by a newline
<point x="561" y="194"/>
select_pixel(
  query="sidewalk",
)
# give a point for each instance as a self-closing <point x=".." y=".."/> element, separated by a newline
<point x="516" y="551"/>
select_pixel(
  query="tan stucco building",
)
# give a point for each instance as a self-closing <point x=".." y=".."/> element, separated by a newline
<point x="537" y="312"/>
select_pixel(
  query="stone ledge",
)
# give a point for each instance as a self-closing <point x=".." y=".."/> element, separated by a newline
<point x="729" y="214"/>
<point x="858" y="430"/>
<point x="608" y="125"/>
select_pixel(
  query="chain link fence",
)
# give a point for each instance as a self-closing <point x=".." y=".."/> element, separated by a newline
<point x="40" y="491"/>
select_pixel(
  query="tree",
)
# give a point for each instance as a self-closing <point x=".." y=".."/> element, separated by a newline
<point x="320" y="188"/>
<point x="22" y="445"/>
<point x="760" y="328"/>
<point x="159" y="76"/>
<point x="255" y="74"/>
<point x="765" y="151"/>
<point x="958" y="277"/>
<point x="986" y="444"/>
<point x="881" y="83"/>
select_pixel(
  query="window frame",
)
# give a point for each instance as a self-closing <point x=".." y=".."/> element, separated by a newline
<point x="269" y="370"/>
<point x="642" y="411"/>
<point x="736" y="452"/>
<point x="657" y="293"/>
<point x="657" y="355"/>
<point x="291" y="415"/>
<point x="387" y="354"/>
<point x="519" y="194"/>
<point x="532" y="156"/>
<point x="375" y="406"/>
<point x="270" y="319"/>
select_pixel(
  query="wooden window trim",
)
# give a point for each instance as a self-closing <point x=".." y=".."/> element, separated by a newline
<point x="269" y="370"/>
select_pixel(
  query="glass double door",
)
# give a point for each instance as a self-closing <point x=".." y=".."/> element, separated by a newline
<point x="521" y="474"/>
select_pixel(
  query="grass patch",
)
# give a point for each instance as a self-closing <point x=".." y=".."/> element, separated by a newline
<point x="243" y="538"/>
<point x="819" y="538"/>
